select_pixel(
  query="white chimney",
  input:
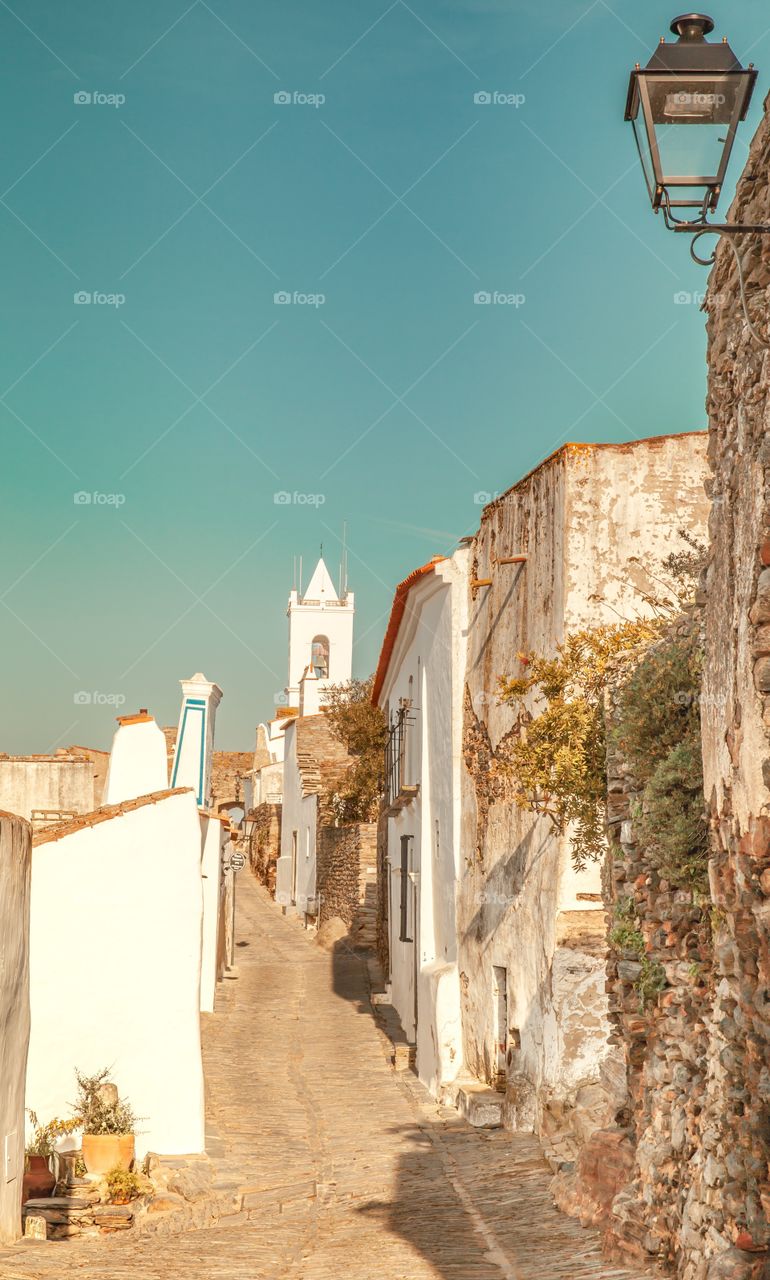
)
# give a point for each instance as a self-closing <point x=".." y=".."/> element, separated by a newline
<point x="195" y="737"/>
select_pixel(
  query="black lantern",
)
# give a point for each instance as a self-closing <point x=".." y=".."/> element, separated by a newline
<point x="685" y="107"/>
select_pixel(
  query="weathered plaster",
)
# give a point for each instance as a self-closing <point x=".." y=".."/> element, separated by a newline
<point x="592" y="521"/>
<point x="15" y="863"/>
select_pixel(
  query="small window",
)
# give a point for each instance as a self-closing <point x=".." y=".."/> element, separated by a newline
<point x="320" y="657"/>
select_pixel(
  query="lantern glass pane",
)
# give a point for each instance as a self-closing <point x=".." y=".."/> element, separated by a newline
<point x="643" y="145"/>
<point x="689" y="155"/>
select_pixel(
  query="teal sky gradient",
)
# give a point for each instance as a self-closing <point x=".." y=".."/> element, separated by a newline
<point x="397" y="400"/>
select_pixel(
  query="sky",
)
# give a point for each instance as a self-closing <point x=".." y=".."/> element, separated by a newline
<point x="242" y="246"/>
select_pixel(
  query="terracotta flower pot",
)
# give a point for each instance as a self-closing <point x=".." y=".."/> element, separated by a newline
<point x="105" y="1151"/>
<point x="38" y="1179"/>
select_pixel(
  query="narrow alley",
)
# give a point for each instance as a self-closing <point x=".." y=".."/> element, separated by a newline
<point x="346" y="1168"/>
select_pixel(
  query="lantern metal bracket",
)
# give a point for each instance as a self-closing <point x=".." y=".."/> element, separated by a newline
<point x="698" y="227"/>
<point x="701" y="227"/>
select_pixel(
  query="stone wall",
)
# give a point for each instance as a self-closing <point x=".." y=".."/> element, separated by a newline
<point x="731" y="1177"/>
<point x="346" y="879"/>
<point x="64" y="783"/>
<point x="593" y="523"/>
<point x="265" y="843"/>
<point x="642" y="1176"/>
<point x="699" y="1060"/>
<point x="15" y="865"/>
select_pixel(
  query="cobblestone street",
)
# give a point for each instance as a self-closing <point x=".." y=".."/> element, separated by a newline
<point x="347" y="1168"/>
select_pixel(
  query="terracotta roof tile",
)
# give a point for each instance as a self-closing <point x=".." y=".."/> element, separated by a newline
<point x="108" y="811"/>
<point x="394" y="622"/>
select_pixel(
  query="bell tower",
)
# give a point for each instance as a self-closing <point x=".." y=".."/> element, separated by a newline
<point x="320" y="633"/>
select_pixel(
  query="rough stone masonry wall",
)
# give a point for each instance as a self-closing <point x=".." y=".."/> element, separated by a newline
<point x="732" y="1172"/>
<point x="699" y="1062"/>
<point x="652" y="1154"/>
<point x="265" y="843"/>
<point x="346" y="879"/>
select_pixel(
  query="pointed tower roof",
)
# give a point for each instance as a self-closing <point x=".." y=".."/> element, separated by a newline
<point x="321" y="586"/>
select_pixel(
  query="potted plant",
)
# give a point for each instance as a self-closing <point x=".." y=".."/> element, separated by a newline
<point x="107" y="1123"/>
<point x="38" y="1178"/>
<point x="122" y="1185"/>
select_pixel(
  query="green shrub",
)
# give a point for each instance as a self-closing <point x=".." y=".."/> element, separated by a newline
<point x="96" y="1112"/>
<point x="658" y="733"/>
<point x="122" y="1185"/>
<point x="559" y="760"/>
<point x="672" y="826"/>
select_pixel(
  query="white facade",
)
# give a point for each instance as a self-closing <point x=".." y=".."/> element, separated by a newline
<point x="215" y="840"/>
<point x="320" y="634"/>
<point x="594" y="523"/>
<point x="15" y="862"/>
<point x="195" y="737"/>
<point x="138" y="760"/>
<point x="295" y="883"/>
<point x="422" y="680"/>
<point x="127" y="888"/>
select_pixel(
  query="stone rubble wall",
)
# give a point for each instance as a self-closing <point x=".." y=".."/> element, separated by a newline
<point x="346" y="879"/>
<point x="666" y="1042"/>
<point x="731" y="1176"/>
<point x="265" y="843"/>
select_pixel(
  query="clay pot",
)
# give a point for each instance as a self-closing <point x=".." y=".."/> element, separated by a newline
<point x="38" y="1179"/>
<point x="105" y="1151"/>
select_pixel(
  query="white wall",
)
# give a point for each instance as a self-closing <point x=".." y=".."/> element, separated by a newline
<point x="430" y="651"/>
<point x="320" y="612"/>
<point x="15" y="863"/>
<point x="299" y="814"/>
<point x="54" y="783"/>
<point x="123" y="901"/>
<point x="214" y="838"/>
<point x="138" y="760"/>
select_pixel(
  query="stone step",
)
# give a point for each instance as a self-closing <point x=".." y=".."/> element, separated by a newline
<point x="483" y="1108"/>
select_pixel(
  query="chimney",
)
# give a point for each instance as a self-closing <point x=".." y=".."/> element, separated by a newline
<point x="195" y="738"/>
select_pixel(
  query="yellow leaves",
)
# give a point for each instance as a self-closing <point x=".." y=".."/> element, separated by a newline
<point x="559" y="758"/>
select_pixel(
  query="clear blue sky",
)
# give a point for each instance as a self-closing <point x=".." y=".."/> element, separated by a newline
<point x="397" y="399"/>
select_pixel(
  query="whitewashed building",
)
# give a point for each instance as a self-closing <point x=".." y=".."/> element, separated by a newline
<point x="314" y="761"/>
<point x="320" y="636"/>
<point x="309" y="756"/>
<point x="419" y="685"/>
<point x="578" y="542"/>
<point x="144" y="887"/>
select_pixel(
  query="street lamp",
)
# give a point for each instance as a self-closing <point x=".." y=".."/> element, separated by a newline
<point x="685" y="107"/>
